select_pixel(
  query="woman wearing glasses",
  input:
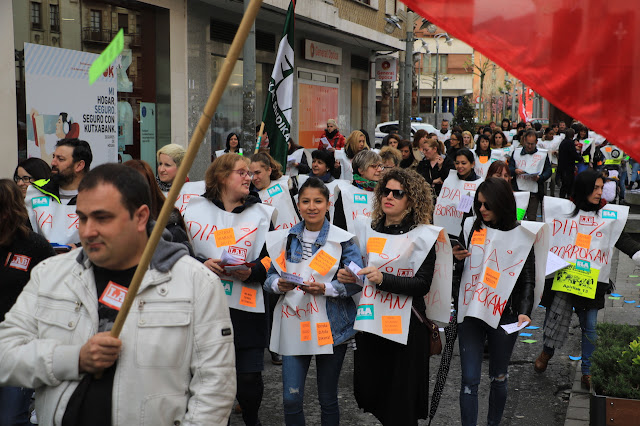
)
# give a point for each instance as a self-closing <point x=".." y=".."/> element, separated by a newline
<point x="356" y="199"/>
<point x="228" y="226"/>
<point x="391" y="364"/>
<point x="29" y="171"/>
<point x="488" y="296"/>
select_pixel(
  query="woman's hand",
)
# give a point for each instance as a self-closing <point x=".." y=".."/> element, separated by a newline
<point x="373" y="274"/>
<point x="346" y="277"/>
<point x="522" y="319"/>
<point x="460" y="253"/>
<point x="241" y="275"/>
<point x="214" y="266"/>
<point x="439" y="160"/>
<point x="317" y="289"/>
<point x="437" y="181"/>
<point x="285" y="286"/>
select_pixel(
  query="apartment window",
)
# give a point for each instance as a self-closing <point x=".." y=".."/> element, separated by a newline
<point x="54" y="17"/>
<point x="429" y="64"/>
<point x="123" y="22"/>
<point x="36" y="15"/>
<point x="96" y="21"/>
<point x="368" y="2"/>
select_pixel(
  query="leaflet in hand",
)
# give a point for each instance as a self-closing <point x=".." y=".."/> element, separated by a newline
<point x="293" y="279"/>
<point x="513" y="327"/>
<point x="465" y="204"/>
<point x="355" y="270"/>
<point x="232" y="263"/>
<point x="325" y="142"/>
<point x="291" y="159"/>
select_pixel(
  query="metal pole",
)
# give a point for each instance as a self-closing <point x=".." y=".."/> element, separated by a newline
<point x="513" y="101"/>
<point x="401" y="94"/>
<point x="408" y="77"/>
<point x="248" y="140"/>
<point x="393" y="101"/>
<point x="437" y="82"/>
<point x="419" y="78"/>
<point x="524" y="102"/>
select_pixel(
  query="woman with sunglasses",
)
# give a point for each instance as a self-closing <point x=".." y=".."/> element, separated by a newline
<point x="312" y="250"/>
<point x="400" y="268"/>
<point x="356" y="199"/>
<point x="29" y="171"/>
<point x="228" y="227"/>
<point x="453" y="204"/>
<point x="493" y="232"/>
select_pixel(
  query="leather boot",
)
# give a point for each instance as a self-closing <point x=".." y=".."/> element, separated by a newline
<point x="541" y="363"/>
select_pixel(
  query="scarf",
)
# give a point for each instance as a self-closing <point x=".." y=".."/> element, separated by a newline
<point x="364" y="183"/>
<point x="164" y="187"/>
<point x="331" y="135"/>
<point x="326" y="178"/>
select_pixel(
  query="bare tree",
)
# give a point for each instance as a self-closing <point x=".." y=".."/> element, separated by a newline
<point x="480" y="71"/>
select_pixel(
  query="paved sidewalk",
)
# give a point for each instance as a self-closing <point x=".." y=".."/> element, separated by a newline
<point x="618" y="310"/>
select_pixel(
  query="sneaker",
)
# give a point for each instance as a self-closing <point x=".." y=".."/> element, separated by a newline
<point x="276" y="359"/>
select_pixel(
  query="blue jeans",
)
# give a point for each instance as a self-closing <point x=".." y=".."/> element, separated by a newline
<point x="14" y="406"/>
<point x="588" y="319"/>
<point x="635" y="172"/>
<point x="472" y="333"/>
<point x="294" y="374"/>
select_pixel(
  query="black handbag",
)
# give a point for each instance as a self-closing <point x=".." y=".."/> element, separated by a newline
<point x="435" y="343"/>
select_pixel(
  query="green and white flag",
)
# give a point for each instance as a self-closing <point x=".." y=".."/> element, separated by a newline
<point x="277" y="109"/>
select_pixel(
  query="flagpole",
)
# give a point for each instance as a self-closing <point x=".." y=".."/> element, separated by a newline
<point x="192" y="151"/>
<point x="259" y="138"/>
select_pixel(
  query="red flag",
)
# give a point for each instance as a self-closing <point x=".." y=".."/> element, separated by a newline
<point x="579" y="55"/>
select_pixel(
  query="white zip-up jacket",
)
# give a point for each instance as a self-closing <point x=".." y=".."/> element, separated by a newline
<point x="177" y="363"/>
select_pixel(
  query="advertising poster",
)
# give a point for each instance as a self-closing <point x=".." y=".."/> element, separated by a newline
<point x="316" y="105"/>
<point x="148" y="132"/>
<point x="61" y="103"/>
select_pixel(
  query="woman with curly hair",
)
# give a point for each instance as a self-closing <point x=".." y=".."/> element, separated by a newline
<point x="402" y="208"/>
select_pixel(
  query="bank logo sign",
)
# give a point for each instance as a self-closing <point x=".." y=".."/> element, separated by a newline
<point x="360" y="198"/>
<point x="609" y="214"/>
<point x="39" y="202"/>
<point x="274" y="190"/>
<point x="365" y="312"/>
<point x="583" y="265"/>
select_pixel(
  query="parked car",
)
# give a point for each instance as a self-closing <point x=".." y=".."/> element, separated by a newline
<point x="383" y="129"/>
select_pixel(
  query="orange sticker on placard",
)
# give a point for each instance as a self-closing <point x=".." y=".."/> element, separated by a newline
<point x="266" y="262"/>
<point x="491" y="277"/>
<point x="479" y="237"/>
<point x="483" y="159"/>
<point x="376" y="245"/>
<point x="248" y="297"/>
<point x="224" y="237"/>
<point x="441" y="237"/>
<point x="391" y="324"/>
<point x="282" y="261"/>
<point x="583" y="240"/>
<point x="305" y="331"/>
<point x="322" y="262"/>
<point x="608" y="149"/>
<point x="323" y="331"/>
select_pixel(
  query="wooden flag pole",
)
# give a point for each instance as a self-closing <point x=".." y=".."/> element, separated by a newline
<point x="259" y="138"/>
<point x="194" y="145"/>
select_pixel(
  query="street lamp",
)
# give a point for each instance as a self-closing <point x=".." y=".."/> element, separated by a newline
<point x="448" y="40"/>
<point x="418" y="58"/>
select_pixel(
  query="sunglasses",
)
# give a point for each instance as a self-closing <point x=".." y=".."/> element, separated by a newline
<point x="397" y="193"/>
<point x="479" y="204"/>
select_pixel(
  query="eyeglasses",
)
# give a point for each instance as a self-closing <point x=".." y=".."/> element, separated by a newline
<point x="480" y="204"/>
<point x="377" y="166"/>
<point x="243" y="173"/>
<point x="24" y="179"/>
<point x="398" y="194"/>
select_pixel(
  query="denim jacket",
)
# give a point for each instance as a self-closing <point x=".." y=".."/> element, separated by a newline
<point x="341" y="310"/>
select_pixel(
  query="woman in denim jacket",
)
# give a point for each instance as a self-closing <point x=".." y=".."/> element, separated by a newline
<point x="310" y="239"/>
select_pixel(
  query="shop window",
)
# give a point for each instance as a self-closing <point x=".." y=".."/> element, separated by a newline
<point x="123" y="22"/>
<point x="54" y="18"/>
<point x="36" y="16"/>
<point x="226" y="31"/>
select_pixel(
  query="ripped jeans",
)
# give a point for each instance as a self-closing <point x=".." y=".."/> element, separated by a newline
<point x="472" y="333"/>
<point x="294" y="374"/>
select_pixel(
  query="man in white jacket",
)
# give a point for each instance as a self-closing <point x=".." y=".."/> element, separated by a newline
<point x="174" y="360"/>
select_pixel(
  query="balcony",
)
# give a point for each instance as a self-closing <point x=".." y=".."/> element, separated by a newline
<point x="104" y="37"/>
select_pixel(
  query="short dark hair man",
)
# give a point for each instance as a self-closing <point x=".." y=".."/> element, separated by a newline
<point x="530" y="167"/>
<point x="51" y="202"/>
<point x="174" y="361"/>
<point x="445" y="131"/>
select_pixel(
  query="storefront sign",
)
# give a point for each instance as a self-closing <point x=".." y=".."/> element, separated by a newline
<point x="60" y="103"/>
<point x="148" y="132"/>
<point x="386" y="69"/>
<point x="320" y="52"/>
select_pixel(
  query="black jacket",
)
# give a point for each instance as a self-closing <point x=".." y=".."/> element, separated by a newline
<point x="568" y="156"/>
<point x="432" y="173"/>
<point x="418" y="285"/>
<point x="521" y="299"/>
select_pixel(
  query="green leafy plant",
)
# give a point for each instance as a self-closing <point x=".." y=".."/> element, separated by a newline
<point x="465" y="114"/>
<point x="615" y="364"/>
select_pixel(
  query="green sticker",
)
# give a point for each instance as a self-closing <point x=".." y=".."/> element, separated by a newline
<point x="614" y="297"/>
<point x="106" y="57"/>
<point x="228" y="287"/>
<point x="633" y="276"/>
<point x="520" y="213"/>
<point x="528" y="341"/>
